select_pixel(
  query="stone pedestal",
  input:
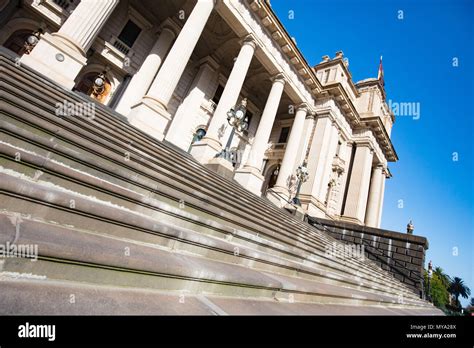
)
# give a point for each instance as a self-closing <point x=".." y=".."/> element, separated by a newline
<point x="62" y="55"/>
<point x="251" y="179"/>
<point x="150" y="117"/>
<point x="222" y="167"/>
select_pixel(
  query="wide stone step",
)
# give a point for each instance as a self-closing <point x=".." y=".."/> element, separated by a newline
<point x="264" y="259"/>
<point x="69" y="254"/>
<point x="55" y="145"/>
<point x="122" y="216"/>
<point x="20" y="297"/>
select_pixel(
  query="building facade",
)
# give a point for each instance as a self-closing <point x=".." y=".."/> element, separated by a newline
<point x="174" y="69"/>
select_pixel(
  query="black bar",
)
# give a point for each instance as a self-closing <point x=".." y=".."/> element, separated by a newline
<point x="242" y="330"/>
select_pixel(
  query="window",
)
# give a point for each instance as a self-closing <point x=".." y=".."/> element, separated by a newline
<point x="338" y="149"/>
<point x="129" y="33"/>
<point x="218" y="94"/>
<point x="326" y="73"/>
<point x="16" y="42"/>
<point x="64" y="4"/>
<point x="285" y="131"/>
<point x="249" y="116"/>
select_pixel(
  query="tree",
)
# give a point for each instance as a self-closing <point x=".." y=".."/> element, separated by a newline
<point x="438" y="292"/>
<point x="472" y="301"/>
<point x="445" y="279"/>
<point x="458" y="288"/>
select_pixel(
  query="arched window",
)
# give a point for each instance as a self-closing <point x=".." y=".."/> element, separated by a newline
<point x="272" y="176"/>
<point x="16" y="41"/>
<point x="85" y="85"/>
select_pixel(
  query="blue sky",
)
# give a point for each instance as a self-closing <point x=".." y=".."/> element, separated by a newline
<point x="418" y="55"/>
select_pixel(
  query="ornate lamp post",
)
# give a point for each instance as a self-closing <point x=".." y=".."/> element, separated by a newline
<point x="302" y="174"/>
<point x="237" y="120"/>
<point x="197" y="136"/>
<point x="32" y="40"/>
<point x="430" y="275"/>
<point x="98" y="86"/>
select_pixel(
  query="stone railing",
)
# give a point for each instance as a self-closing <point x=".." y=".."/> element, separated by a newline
<point x="403" y="255"/>
<point x="56" y="11"/>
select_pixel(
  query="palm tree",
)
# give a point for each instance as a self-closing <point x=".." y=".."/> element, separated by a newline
<point x="445" y="279"/>
<point x="458" y="288"/>
<point x="472" y="301"/>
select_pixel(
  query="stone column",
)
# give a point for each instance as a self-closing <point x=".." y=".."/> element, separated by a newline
<point x="289" y="158"/>
<point x="212" y="143"/>
<point x="187" y="116"/>
<point x="250" y="175"/>
<point x="373" y="203"/>
<point x="143" y="78"/>
<point x="304" y="144"/>
<point x="345" y="154"/>
<point x="62" y="55"/>
<point x="382" y="193"/>
<point x="321" y="155"/>
<point x="359" y="181"/>
<point x="151" y="113"/>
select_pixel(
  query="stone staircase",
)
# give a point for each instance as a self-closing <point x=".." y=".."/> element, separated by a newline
<point x="125" y="224"/>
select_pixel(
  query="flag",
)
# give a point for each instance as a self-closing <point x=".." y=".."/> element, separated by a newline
<point x="380" y="75"/>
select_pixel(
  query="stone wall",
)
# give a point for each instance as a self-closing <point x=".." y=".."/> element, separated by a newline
<point x="401" y="254"/>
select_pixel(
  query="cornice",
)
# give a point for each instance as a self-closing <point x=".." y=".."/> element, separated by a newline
<point x="380" y="133"/>
<point x="279" y="35"/>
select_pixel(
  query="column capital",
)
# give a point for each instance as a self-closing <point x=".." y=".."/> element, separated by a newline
<point x="208" y="60"/>
<point x="364" y="144"/>
<point x="171" y="26"/>
<point x="249" y="40"/>
<point x="279" y="78"/>
<point x="302" y="107"/>
<point x="311" y="114"/>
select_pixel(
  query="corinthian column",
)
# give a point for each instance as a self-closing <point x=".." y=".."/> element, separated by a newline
<point x="359" y="181"/>
<point x="211" y="144"/>
<point x="62" y="55"/>
<point x="290" y="156"/>
<point x="250" y="175"/>
<point x="143" y="79"/>
<point x="82" y="27"/>
<point x="320" y="159"/>
<point x="151" y="113"/>
<point x="375" y="192"/>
